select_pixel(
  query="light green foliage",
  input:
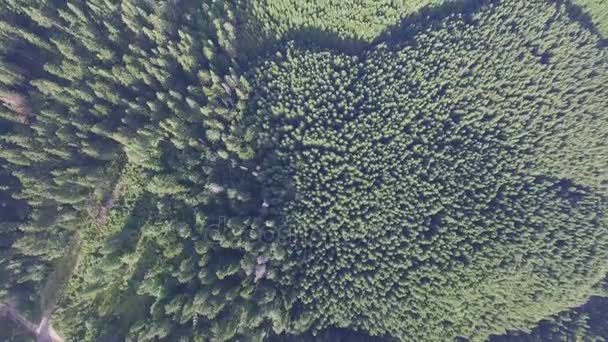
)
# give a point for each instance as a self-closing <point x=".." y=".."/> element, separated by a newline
<point x="598" y="10"/>
<point x="586" y="323"/>
<point x="133" y="86"/>
<point x="447" y="179"/>
<point x="434" y="188"/>
<point x="359" y="20"/>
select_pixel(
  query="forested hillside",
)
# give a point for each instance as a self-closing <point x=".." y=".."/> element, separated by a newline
<point x="287" y="170"/>
<point x="587" y="323"/>
<point x="356" y="20"/>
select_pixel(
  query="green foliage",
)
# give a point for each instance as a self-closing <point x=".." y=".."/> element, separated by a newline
<point x="586" y="323"/>
<point x="153" y="91"/>
<point x="598" y="9"/>
<point x="434" y="188"/>
<point x="429" y="187"/>
<point x="331" y="335"/>
<point x="356" y="20"/>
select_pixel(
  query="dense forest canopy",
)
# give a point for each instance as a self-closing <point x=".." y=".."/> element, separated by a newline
<point x="332" y="170"/>
<point x="361" y="20"/>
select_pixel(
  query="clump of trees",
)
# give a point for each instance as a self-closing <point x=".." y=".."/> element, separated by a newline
<point x="361" y="21"/>
<point x="136" y="109"/>
<point x="444" y="182"/>
<point x="586" y="323"/>
<point x="427" y="188"/>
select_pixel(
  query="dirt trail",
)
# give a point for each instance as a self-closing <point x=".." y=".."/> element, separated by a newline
<point x="43" y="332"/>
<point x="54" y="287"/>
<point x="49" y="296"/>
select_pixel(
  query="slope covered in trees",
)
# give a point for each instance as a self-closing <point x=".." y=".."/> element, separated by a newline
<point x="422" y="164"/>
<point x="357" y="20"/>
<point x="206" y="180"/>
<point x="117" y="87"/>
<point x="587" y="323"/>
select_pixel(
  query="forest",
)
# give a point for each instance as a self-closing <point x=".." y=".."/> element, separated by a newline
<point x="304" y="170"/>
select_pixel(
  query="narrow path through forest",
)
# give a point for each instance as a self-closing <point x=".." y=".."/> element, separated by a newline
<point x="49" y="296"/>
<point x="43" y="331"/>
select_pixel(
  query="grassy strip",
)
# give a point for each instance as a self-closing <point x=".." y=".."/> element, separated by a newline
<point x="598" y="10"/>
<point x="126" y="193"/>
